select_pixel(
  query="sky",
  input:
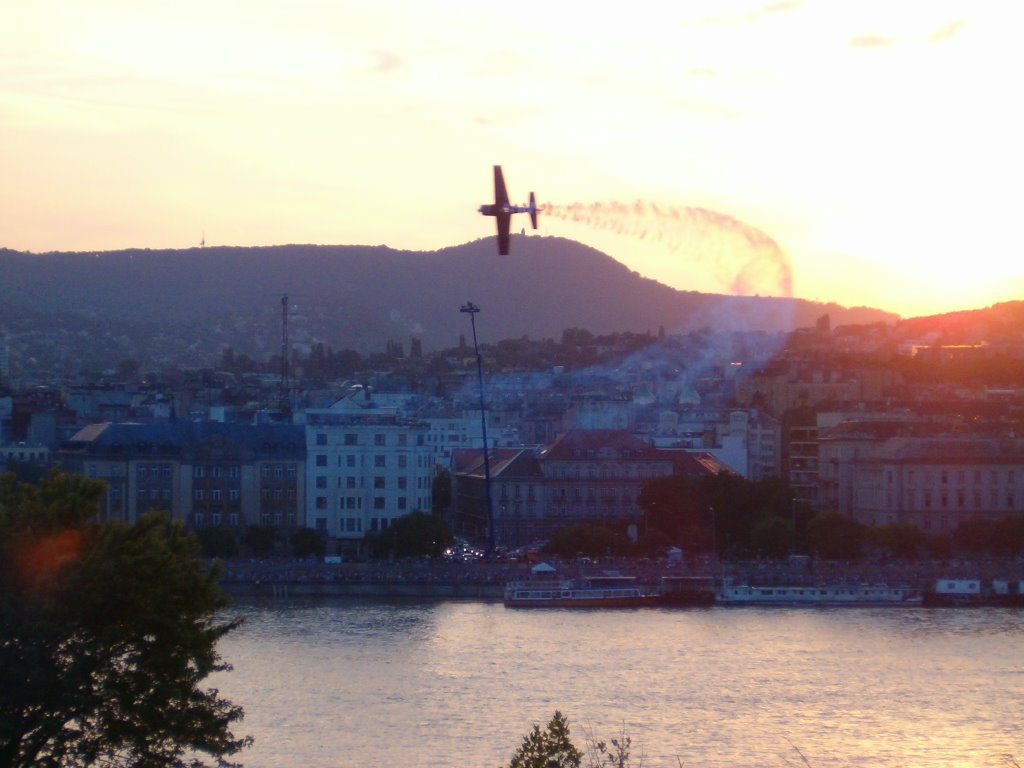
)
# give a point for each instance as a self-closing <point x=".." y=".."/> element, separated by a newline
<point x="867" y="153"/>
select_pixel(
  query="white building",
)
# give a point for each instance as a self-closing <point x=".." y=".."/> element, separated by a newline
<point x="365" y="468"/>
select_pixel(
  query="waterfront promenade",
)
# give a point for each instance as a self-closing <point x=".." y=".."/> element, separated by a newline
<point x="483" y="580"/>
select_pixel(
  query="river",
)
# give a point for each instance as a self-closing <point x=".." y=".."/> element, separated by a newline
<point x="400" y="684"/>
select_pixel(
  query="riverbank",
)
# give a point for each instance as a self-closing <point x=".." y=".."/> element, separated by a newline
<point x="483" y="580"/>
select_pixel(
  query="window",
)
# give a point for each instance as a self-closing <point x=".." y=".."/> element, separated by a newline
<point x="321" y="459"/>
<point x="233" y="473"/>
<point x="199" y="494"/>
<point x="215" y="494"/>
<point x="402" y="502"/>
<point x="374" y="523"/>
<point x="378" y="482"/>
<point x="350" y="460"/>
<point x="350" y="482"/>
<point x="321" y="502"/>
<point x="321" y="438"/>
<point x="321" y="481"/>
<point x="403" y="461"/>
<point x="278" y="471"/>
<point x="402" y="481"/>
<point x="402" y="438"/>
<point x="291" y="471"/>
<point x="233" y="494"/>
<point x="378" y="439"/>
<point x="351" y="439"/>
<point x="198" y="471"/>
<point x="379" y="460"/>
<point x="378" y="502"/>
<point x="215" y="472"/>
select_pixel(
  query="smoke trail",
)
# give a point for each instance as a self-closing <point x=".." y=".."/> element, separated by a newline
<point x="744" y="260"/>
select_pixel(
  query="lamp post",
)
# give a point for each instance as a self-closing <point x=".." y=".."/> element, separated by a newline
<point x="471" y="309"/>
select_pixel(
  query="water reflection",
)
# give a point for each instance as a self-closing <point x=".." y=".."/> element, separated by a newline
<point x="344" y="683"/>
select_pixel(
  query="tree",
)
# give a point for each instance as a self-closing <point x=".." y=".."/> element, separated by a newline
<point x="217" y="541"/>
<point x="553" y="748"/>
<point x="773" y="537"/>
<point x="415" y="535"/>
<point x="260" y="539"/>
<point x="548" y="748"/>
<point x="592" y="540"/>
<point x="307" y="543"/>
<point x="835" y="537"/>
<point x="106" y="634"/>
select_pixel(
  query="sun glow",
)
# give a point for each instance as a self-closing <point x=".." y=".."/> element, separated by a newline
<point x="876" y="146"/>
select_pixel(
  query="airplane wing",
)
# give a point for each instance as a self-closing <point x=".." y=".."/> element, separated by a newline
<point x="500" y="193"/>
<point x="504" y="220"/>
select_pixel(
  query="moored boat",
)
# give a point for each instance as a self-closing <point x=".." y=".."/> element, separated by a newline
<point x="585" y="592"/>
<point x="680" y="591"/>
<point x="831" y="595"/>
<point x="968" y="593"/>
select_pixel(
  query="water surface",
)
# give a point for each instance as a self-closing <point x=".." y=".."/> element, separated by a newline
<point x="354" y="682"/>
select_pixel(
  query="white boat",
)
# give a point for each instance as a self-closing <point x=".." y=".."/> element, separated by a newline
<point x="831" y="595"/>
<point x="586" y="592"/>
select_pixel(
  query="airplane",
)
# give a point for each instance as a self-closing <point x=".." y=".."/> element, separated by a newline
<point x="503" y="211"/>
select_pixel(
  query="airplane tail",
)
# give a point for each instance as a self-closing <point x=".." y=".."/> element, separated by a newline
<point x="533" y="210"/>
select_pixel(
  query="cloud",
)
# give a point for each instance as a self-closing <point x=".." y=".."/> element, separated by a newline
<point x="871" y="41"/>
<point x="946" y="31"/>
<point x="783" y="6"/>
<point x="386" y="62"/>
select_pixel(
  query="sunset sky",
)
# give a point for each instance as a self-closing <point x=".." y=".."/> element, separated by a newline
<point x="876" y="146"/>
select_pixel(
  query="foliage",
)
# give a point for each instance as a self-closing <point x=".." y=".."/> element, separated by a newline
<point x="307" y="543"/>
<point x="836" y="537"/>
<point x="415" y="535"/>
<point x="904" y="541"/>
<point x="260" y="539"/>
<point x="590" y="540"/>
<point x="217" y="541"/>
<point x="773" y="537"/>
<point x="552" y="747"/>
<point x="721" y="512"/>
<point x="106" y="634"/>
<point x="1004" y="537"/>
<point x="548" y="748"/>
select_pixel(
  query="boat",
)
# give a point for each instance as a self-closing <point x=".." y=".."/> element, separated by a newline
<point x="830" y="595"/>
<point x="680" y="591"/>
<point x="584" y="592"/>
<point x="968" y="593"/>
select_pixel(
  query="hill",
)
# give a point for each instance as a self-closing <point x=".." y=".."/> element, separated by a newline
<point x="159" y="304"/>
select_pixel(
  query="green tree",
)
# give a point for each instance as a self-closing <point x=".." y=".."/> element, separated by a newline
<point x="835" y="537"/>
<point x="106" y="634"/>
<point x="592" y="540"/>
<point x="307" y="543"/>
<point x="415" y="535"/>
<point x="548" y="748"/>
<point x="260" y="539"/>
<point x="217" y="541"/>
<point x="773" y="537"/>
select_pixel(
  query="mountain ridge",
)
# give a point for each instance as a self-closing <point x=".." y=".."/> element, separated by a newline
<point x="360" y="297"/>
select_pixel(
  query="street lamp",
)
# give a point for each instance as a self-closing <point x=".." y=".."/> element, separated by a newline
<point x="471" y="309"/>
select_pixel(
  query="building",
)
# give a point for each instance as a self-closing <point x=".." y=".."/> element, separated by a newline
<point x="203" y="473"/>
<point x="938" y="483"/>
<point x="583" y="477"/>
<point x="367" y="466"/>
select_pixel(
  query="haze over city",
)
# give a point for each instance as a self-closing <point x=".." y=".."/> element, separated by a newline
<point x="861" y="153"/>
